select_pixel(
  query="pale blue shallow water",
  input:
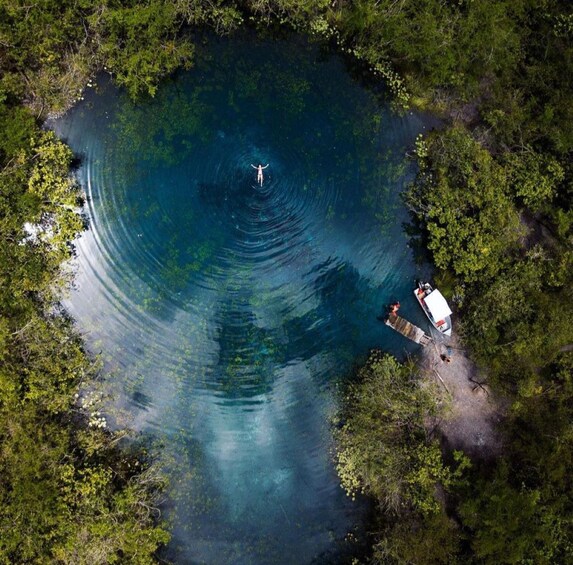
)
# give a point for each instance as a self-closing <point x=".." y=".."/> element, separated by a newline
<point x="225" y="311"/>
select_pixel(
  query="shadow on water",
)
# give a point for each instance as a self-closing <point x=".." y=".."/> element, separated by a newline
<point x="227" y="311"/>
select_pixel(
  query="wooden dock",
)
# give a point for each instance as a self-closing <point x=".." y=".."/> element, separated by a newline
<point x="408" y="330"/>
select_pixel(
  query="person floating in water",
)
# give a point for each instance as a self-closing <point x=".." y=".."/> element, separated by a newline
<point x="260" y="172"/>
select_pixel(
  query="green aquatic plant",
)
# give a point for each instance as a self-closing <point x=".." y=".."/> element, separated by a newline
<point x="145" y="134"/>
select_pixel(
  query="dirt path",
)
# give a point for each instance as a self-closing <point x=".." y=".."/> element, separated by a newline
<point x="470" y="425"/>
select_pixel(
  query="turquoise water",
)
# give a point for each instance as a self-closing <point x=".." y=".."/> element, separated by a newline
<point x="226" y="311"/>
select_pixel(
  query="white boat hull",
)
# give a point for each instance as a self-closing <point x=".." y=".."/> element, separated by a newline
<point x="429" y="298"/>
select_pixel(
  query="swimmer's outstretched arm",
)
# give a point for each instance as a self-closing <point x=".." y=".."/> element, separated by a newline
<point x="265" y="166"/>
<point x="254" y="166"/>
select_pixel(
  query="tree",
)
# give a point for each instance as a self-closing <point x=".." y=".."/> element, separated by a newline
<point x="505" y="520"/>
<point x="534" y="177"/>
<point x="140" y="44"/>
<point x="461" y="196"/>
<point x="385" y="451"/>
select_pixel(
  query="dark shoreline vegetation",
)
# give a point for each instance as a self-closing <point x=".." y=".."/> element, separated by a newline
<point x="493" y="202"/>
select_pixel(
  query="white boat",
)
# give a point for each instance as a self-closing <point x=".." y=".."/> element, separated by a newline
<point x="435" y="306"/>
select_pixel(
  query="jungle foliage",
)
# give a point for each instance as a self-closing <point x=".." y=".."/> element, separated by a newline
<point x="439" y="508"/>
<point x="67" y="493"/>
<point x="494" y="200"/>
<point x="384" y="449"/>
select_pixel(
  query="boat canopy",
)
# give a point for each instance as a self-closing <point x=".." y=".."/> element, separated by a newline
<point x="437" y="305"/>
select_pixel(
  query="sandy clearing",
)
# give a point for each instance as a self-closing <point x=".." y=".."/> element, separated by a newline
<point x="471" y="423"/>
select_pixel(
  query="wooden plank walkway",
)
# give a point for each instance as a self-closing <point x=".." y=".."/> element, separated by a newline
<point x="408" y="329"/>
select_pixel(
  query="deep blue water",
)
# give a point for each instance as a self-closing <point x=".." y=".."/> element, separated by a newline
<point x="226" y="311"/>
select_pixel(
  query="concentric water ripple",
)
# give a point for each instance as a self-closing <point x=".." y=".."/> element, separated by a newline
<point x="225" y="310"/>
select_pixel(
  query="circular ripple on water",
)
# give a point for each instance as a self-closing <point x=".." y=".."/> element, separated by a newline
<point x="259" y="270"/>
<point x="268" y="224"/>
<point x="224" y="308"/>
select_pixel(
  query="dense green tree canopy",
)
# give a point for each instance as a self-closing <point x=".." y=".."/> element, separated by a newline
<point x="494" y="200"/>
<point x="462" y="196"/>
<point x="66" y="495"/>
<point x="386" y="451"/>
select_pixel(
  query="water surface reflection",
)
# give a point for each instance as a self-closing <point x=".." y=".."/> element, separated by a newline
<point x="226" y="310"/>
